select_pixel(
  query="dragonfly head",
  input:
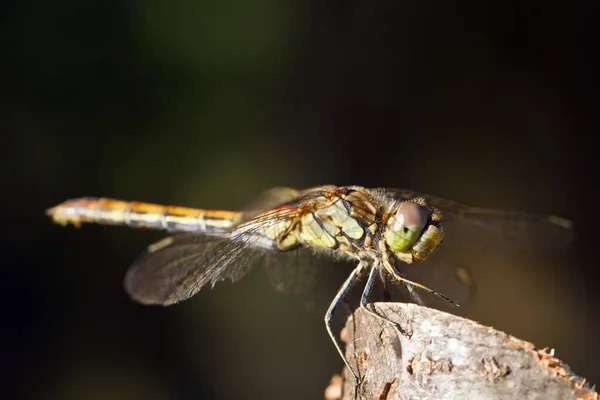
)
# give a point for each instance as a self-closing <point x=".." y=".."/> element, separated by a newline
<point x="414" y="230"/>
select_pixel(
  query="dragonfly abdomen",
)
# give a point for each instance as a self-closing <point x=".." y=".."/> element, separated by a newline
<point x="143" y="215"/>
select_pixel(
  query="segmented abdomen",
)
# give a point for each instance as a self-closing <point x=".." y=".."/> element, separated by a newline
<point x="143" y="215"/>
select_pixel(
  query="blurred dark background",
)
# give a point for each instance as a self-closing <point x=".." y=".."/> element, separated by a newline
<point x="206" y="104"/>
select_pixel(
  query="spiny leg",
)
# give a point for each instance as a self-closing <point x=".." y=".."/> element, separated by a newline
<point x="364" y="301"/>
<point x="344" y="289"/>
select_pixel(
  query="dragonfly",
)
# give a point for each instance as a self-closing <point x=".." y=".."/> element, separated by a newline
<point x="379" y="230"/>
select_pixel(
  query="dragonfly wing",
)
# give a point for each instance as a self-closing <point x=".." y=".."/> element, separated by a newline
<point x="284" y="196"/>
<point x="177" y="267"/>
<point x="482" y="229"/>
<point x="291" y="272"/>
<point x="473" y="238"/>
<point x="310" y="280"/>
<point x="270" y="199"/>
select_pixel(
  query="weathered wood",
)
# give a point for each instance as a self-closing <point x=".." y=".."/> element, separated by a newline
<point x="448" y="357"/>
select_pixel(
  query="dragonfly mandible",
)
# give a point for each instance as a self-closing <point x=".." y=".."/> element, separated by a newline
<point x="380" y="230"/>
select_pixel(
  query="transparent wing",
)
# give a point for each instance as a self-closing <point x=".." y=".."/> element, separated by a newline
<point x="282" y="196"/>
<point x="270" y="199"/>
<point x="177" y="267"/>
<point x="482" y="229"/>
<point x="473" y="238"/>
<point x="292" y="272"/>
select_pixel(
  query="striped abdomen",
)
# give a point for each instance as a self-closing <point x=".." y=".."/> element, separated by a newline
<point x="143" y="215"/>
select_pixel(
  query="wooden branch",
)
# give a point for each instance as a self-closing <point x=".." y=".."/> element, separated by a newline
<point x="447" y="357"/>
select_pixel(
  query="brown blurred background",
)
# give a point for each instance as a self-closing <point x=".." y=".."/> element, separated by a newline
<point x="207" y="103"/>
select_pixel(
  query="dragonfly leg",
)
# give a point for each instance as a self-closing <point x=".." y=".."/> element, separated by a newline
<point x="344" y="289"/>
<point x="411" y="285"/>
<point x="386" y="292"/>
<point x="365" y="304"/>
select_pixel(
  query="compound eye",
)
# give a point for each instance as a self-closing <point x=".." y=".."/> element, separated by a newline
<point x="405" y="227"/>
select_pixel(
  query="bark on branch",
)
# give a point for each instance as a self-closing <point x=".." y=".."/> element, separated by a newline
<point x="447" y="357"/>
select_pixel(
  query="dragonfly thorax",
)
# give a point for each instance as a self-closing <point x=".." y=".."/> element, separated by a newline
<point x="355" y="223"/>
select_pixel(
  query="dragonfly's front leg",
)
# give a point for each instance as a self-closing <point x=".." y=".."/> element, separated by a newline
<point x="344" y="289"/>
<point x="411" y="285"/>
